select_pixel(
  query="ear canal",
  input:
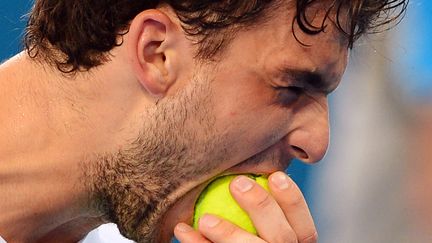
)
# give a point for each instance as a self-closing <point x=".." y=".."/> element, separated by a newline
<point x="156" y="50"/>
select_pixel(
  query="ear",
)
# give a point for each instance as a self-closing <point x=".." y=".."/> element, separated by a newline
<point x="153" y="47"/>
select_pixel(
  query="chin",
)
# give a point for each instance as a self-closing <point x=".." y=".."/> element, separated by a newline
<point x="183" y="208"/>
<point x="181" y="211"/>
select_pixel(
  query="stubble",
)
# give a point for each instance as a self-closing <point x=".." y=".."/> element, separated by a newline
<point x="131" y="187"/>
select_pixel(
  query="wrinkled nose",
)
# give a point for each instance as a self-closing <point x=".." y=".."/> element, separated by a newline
<point x="309" y="140"/>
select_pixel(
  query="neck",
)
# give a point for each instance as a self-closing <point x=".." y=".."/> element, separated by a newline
<point x="44" y="198"/>
<point x="45" y="139"/>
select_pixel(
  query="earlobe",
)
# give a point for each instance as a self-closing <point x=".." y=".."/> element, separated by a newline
<point x="151" y="47"/>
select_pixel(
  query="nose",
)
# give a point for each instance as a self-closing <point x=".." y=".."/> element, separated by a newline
<point x="308" y="140"/>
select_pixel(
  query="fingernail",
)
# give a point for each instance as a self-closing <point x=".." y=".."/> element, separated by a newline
<point x="209" y="220"/>
<point x="182" y="227"/>
<point x="243" y="184"/>
<point x="280" y="180"/>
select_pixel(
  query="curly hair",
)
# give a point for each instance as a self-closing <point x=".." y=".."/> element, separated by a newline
<point x="77" y="35"/>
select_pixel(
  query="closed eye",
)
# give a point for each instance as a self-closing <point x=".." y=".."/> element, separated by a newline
<point x="287" y="96"/>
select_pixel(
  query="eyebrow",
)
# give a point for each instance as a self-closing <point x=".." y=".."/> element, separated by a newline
<point x="309" y="80"/>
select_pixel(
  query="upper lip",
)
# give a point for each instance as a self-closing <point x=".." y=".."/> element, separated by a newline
<point x="255" y="169"/>
<point x="262" y="167"/>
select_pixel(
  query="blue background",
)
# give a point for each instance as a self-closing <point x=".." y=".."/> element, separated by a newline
<point x="412" y="54"/>
<point x="12" y="23"/>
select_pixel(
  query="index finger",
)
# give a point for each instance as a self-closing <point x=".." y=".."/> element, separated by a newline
<point x="291" y="200"/>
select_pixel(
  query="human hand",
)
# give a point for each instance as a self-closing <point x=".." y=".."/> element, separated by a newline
<point x="279" y="216"/>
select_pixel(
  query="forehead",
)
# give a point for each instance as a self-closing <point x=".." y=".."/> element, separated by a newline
<point x="278" y="42"/>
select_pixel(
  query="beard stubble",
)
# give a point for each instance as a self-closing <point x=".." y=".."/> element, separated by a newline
<point x="178" y="143"/>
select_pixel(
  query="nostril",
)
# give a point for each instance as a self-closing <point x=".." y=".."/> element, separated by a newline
<point x="300" y="153"/>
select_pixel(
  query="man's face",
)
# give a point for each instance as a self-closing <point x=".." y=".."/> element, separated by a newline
<point x="263" y="104"/>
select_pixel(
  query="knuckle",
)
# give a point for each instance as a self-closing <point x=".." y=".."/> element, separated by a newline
<point x="227" y="230"/>
<point x="286" y="238"/>
<point x="264" y="202"/>
<point x="296" y="199"/>
<point x="312" y="238"/>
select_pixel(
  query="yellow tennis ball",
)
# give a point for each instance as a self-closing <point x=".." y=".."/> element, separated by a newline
<point x="216" y="199"/>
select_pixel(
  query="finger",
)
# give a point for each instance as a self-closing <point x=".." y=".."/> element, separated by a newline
<point x="294" y="206"/>
<point x="218" y="230"/>
<point x="186" y="234"/>
<point x="267" y="216"/>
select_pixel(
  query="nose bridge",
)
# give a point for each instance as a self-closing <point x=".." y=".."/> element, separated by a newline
<point x="309" y="138"/>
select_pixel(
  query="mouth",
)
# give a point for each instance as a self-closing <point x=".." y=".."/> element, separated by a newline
<point x="183" y="209"/>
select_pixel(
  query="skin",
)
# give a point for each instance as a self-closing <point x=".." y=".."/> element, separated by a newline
<point x="418" y="178"/>
<point x="135" y="140"/>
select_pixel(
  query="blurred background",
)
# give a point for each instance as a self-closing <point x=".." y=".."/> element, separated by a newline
<point x="375" y="184"/>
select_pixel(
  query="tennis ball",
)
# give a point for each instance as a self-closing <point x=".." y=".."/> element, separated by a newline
<point x="216" y="199"/>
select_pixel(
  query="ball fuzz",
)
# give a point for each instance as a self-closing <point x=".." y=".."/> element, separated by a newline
<point x="216" y="199"/>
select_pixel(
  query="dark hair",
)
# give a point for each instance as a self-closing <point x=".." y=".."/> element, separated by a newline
<point x="78" y="34"/>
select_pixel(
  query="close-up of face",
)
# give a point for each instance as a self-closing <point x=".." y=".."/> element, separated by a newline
<point x="260" y="105"/>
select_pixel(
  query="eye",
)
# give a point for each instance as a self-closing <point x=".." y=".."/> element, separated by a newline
<point x="287" y="96"/>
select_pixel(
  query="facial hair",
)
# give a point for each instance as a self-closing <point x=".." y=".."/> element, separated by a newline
<point x="178" y="143"/>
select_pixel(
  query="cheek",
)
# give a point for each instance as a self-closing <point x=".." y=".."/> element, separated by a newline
<point x="250" y="121"/>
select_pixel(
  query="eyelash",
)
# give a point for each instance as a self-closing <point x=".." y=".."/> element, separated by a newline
<point x="289" y="95"/>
